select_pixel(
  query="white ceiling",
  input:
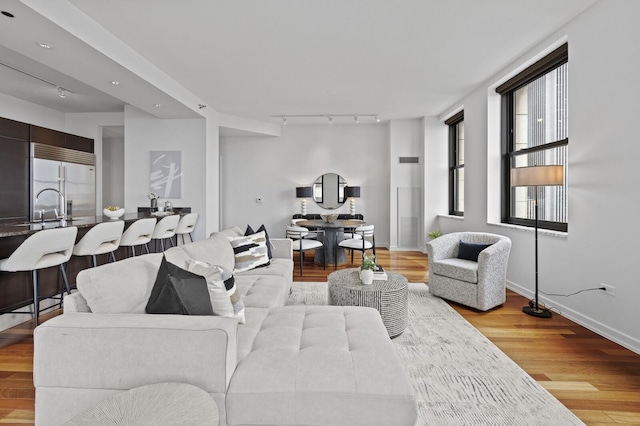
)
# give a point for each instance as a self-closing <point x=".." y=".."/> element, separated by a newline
<point x="257" y="59"/>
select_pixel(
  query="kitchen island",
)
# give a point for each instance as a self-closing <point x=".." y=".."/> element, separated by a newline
<point x="16" y="290"/>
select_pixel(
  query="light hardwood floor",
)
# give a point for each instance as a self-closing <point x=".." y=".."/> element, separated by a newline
<point x="595" y="378"/>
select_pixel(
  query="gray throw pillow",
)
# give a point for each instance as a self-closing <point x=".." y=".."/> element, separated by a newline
<point x="470" y="251"/>
<point x="180" y="292"/>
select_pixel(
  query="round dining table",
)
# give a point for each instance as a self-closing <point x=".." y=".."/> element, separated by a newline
<point x="333" y="234"/>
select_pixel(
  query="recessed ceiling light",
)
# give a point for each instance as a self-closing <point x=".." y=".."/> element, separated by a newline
<point x="45" y="45"/>
<point x="115" y="82"/>
<point x="158" y="105"/>
<point x="8" y="14"/>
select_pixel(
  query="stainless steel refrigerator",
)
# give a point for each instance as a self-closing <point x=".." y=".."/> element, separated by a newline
<point x="70" y="172"/>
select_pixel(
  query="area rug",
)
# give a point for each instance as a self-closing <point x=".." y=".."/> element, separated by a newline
<point x="459" y="376"/>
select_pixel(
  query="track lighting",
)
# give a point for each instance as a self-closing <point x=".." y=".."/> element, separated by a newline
<point x="200" y="106"/>
<point x="331" y="118"/>
<point x="61" y="92"/>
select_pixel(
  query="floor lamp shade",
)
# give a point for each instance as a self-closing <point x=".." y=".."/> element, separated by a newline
<point x="352" y="192"/>
<point x="537" y="176"/>
<point x="304" y="192"/>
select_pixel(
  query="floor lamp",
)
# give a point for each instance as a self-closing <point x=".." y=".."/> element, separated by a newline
<point x="537" y="176"/>
<point x="304" y="192"/>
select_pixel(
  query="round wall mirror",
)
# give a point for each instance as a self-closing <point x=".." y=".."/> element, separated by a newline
<point x="328" y="191"/>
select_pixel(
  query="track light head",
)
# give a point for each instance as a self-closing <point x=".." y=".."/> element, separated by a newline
<point x="355" y="118"/>
<point x="330" y="119"/>
<point x="61" y="92"/>
<point x="284" y="121"/>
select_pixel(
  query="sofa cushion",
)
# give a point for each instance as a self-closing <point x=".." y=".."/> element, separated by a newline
<point x="262" y="291"/>
<point x="329" y="365"/>
<point x="250" y="251"/>
<point x="120" y="287"/>
<point x="180" y="292"/>
<point x="215" y="250"/>
<point x="458" y="269"/>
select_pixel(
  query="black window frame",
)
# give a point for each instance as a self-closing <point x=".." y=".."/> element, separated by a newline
<point x="554" y="60"/>
<point x="454" y="167"/>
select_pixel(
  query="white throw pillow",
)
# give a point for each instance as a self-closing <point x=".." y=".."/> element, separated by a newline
<point x="221" y="300"/>
<point x="250" y="251"/>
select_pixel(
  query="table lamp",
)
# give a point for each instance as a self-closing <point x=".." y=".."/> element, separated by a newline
<point x="304" y="192"/>
<point x="352" y="192"/>
<point x="537" y="176"/>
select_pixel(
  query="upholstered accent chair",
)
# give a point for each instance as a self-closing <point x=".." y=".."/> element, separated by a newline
<point x="453" y="275"/>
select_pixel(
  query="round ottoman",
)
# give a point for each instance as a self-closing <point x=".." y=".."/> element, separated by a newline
<point x="152" y="405"/>
<point x="389" y="297"/>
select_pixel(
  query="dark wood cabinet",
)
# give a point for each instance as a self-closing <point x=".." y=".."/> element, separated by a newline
<point x="14" y="169"/>
<point x="78" y="143"/>
<point x="47" y="136"/>
<point x="14" y="129"/>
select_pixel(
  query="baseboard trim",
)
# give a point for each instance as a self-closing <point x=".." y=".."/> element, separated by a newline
<point x="603" y="330"/>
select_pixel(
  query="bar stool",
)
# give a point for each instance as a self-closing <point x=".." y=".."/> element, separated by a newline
<point x="101" y="239"/>
<point x="45" y="248"/>
<point x="165" y="228"/>
<point x="186" y="225"/>
<point x="138" y="234"/>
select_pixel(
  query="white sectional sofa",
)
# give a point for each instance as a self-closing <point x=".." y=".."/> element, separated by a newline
<point x="287" y="365"/>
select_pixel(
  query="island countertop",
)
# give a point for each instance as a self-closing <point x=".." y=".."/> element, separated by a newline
<point x="12" y="229"/>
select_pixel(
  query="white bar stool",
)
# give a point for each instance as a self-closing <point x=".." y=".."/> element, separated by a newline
<point x="186" y="225"/>
<point x="45" y="248"/>
<point x="138" y="234"/>
<point x="165" y="228"/>
<point x="101" y="239"/>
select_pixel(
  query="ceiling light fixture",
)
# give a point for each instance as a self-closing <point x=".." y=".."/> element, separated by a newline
<point x="115" y="82"/>
<point x="8" y="14"/>
<point x="158" y="105"/>
<point x="45" y="45"/>
<point x="61" y="92"/>
<point x="329" y="117"/>
<point x="200" y="106"/>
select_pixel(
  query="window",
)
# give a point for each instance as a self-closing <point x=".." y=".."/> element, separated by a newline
<point x="535" y="133"/>
<point x="456" y="164"/>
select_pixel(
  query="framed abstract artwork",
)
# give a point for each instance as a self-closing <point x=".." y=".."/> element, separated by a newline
<point x="166" y="173"/>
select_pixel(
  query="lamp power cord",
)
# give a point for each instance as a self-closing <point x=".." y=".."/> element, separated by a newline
<point x="541" y="306"/>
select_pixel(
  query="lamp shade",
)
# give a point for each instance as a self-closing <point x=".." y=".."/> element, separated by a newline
<point x="304" y="192"/>
<point x="352" y="192"/>
<point x="537" y="176"/>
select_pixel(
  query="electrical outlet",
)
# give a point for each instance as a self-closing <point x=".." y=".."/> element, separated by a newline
<point x="609" y="289"/>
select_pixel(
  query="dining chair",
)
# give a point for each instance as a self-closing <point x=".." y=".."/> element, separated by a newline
<point x="366" y="240"/>
<point x="302" y="244"/>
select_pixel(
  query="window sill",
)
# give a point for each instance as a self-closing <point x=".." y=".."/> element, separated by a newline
<point x="549" y="232"/>
<point x="450" y="216"/>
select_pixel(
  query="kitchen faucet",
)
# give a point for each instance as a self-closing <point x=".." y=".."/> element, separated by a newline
<point x="63" y="206"/>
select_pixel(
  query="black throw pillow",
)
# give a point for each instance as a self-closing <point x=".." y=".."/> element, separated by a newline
<point x="250" y="231"/>
<point x="470" y="251"/>
<point x="177" y="291"/>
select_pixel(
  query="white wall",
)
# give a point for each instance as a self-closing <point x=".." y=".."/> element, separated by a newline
<point x="112" y="172"/>
<point x="271" y="168"/>
<point x="144" y="133"/>
<point x="603" y="154"/>
<point x="27" y="112"/>
<point x="406" y="139"/>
